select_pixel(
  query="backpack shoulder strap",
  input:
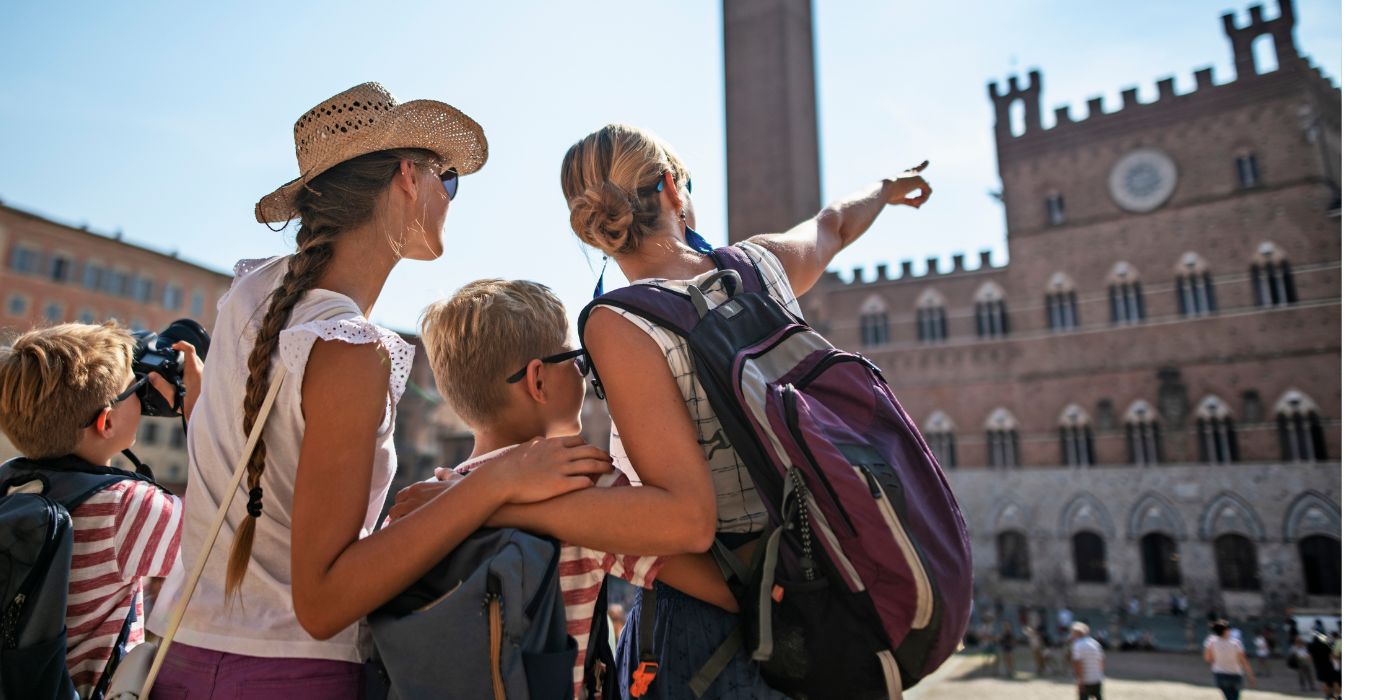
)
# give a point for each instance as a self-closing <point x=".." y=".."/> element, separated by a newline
<point x="68" y="480"/>
<point x="732" y="257"/>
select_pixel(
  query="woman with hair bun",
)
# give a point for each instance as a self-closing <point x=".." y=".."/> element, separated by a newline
<point x="629" y="196"/>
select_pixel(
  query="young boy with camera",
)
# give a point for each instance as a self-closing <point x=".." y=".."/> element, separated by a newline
<point x="71" y="400"/>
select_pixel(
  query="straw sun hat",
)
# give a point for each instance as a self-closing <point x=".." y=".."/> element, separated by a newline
<point x="365" y="119"/>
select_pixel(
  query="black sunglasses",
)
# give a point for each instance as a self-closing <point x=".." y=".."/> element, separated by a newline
<point x="449" y="182"/>
<point x="141" y="381"/>
<point x="578" y="356"/>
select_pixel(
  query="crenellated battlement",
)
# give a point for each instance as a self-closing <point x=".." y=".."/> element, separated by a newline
<point x="1242" y="38"/>
<point x="906" y="268"/>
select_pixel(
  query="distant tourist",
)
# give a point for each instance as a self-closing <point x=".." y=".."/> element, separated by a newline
<point x="1006" y="642"/>
<point x="1300" y="661"/>
<point x="1320" y="649"/>
<point x="1036" y="642"/>
<point x="1088" y="657"/>
<point x="1261" y="652"/>
<point x="1227" y="660"/>
<point x="1065" y="618"/>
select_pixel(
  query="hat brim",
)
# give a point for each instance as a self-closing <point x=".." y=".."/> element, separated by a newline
<point x="428" y="124"/>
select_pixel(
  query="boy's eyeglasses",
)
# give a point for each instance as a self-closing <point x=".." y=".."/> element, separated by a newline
<point x="141" y="381"/>
<point x="579" y="358"/>
<point x="449" y="182"/>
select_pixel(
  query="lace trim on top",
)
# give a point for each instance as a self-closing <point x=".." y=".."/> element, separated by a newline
<point x="295" y="346"/>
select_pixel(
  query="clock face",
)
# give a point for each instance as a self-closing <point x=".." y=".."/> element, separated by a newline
<point x="1142" y="180"/>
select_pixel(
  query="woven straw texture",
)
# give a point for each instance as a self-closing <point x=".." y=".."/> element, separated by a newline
<point x="365" y="119"/>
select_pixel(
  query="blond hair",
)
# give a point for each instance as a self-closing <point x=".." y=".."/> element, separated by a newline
<point x="609" y="179"/>
<point x="54" y="380"/>
<point x="482" y="334"/>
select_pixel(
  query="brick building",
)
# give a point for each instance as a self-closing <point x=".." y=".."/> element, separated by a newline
<point x="55" y="273"/>
<point x="1146" y="400"/>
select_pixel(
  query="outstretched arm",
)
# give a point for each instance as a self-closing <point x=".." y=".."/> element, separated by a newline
<point x="809" y="247"/>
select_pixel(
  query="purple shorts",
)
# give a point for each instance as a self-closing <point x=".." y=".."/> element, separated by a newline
<point x="191" y="673"/>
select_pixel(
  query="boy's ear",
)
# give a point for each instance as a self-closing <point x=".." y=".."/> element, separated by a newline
<point x="103" y="424"/>
<point x="534" y="380"/>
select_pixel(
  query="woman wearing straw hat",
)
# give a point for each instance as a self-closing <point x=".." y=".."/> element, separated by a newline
<point x="277" y="612"/>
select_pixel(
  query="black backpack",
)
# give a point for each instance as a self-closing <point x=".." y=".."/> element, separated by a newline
<point x="36" y="547"/>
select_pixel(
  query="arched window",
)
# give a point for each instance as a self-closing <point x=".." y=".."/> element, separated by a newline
<point x="991" y="312"/>
<point x="1161" y="564"/>
<point x="942" y="439"/>
<point x="1090" y="561"/>
<point x="1300" y="434"/>
<point x="1054" y="209"/>
<point x="1272" y="278"/>
<point x="1236" y="563"/>
<point x="931" y="318"/>
<point x="1143" y="431"/>
<point x="1195" y="293"/>
<point x="1061" y="306"/>
<point x="1322" y="564"/>
<point x="874" y="322"/>
<point x="1003" y="443"/>
<point x="1013" y="556"/>
<point x="1215" y="432"/>
<point x="1076" y="437"/>
<point x="1125" y="304"/>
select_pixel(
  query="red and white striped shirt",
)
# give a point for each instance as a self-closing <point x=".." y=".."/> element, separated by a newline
<point x="122" y="533"/>
<point x="582" y="570"/>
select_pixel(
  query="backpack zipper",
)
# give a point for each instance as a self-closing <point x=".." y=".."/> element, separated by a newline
<point x="790" y="405"/>
<point x="493" y="617"/>
<point x="924" y="600"/>
<point x="10" y="619"/>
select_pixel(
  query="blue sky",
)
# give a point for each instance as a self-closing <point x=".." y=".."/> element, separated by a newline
<point x="169" y="120"/>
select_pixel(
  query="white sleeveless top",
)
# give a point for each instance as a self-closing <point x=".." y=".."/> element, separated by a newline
<point x="261" y="621"/>
<point x="740" y="508"/>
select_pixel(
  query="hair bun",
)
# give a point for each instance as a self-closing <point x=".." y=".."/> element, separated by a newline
<point x="603" y="216"/>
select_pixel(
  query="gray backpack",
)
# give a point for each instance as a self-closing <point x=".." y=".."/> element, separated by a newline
<point x="36" y="547"/>
<point x="486" y="622"/>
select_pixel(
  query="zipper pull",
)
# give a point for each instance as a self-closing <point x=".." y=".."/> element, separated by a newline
<point x="871" y="482"/>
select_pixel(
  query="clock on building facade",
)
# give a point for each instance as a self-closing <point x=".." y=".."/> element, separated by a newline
<point x="1142" y="180"/>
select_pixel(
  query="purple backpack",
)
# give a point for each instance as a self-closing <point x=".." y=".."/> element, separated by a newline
<point x="863" y="581"/>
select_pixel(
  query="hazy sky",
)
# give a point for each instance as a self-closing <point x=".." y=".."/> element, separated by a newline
<point x="169" y="120"/>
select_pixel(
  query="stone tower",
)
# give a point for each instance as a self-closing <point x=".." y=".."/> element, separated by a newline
<point x="770" y="115"/>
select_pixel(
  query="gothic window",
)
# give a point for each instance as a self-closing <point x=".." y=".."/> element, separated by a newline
<point x="931" y="318"/>
<point x="1090" y="561"/>
<point x="1125" y="305"/>
<point x="941" y="437"/>
<point x="1322" y="564"/>
<point x="1013" y="556"/>
<point x="142" y="289"/>
<point x="1195" y="293"/>
<point x="874" y="322"/>
<point x="1076" y="438"/>
<point x="94" y="276"/>
<point x="1247" y="170"/>
<point x="197" y="303"/>
<point x="1003" y="442"/>
<point x="174" y="297"/>
<point x="991" y="312"/>
<point x="1061" y="307"/>
<point x="1300" y="434"/>
<point x="1161" y="564"/>
<point x="1236" y="563"/>
<point x="150" y="433"/>
<point x="118" y="283"/>
<point x="17" y="305"/>
<point x="1272" y="278"/>
<point x="1143" y="431"/>
<point x="1054" y="209"/>
<point x="1215" y="432"/>
<point x="53" y="312"/>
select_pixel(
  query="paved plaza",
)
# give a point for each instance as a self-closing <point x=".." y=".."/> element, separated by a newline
<point x="1136" y="675"/>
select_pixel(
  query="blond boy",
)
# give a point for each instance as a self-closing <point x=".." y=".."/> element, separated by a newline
<point x="499" y="351"/>
<point x="68" y="402"/>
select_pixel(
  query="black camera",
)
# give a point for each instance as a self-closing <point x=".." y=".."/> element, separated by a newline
<point x="154" y="354"/>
